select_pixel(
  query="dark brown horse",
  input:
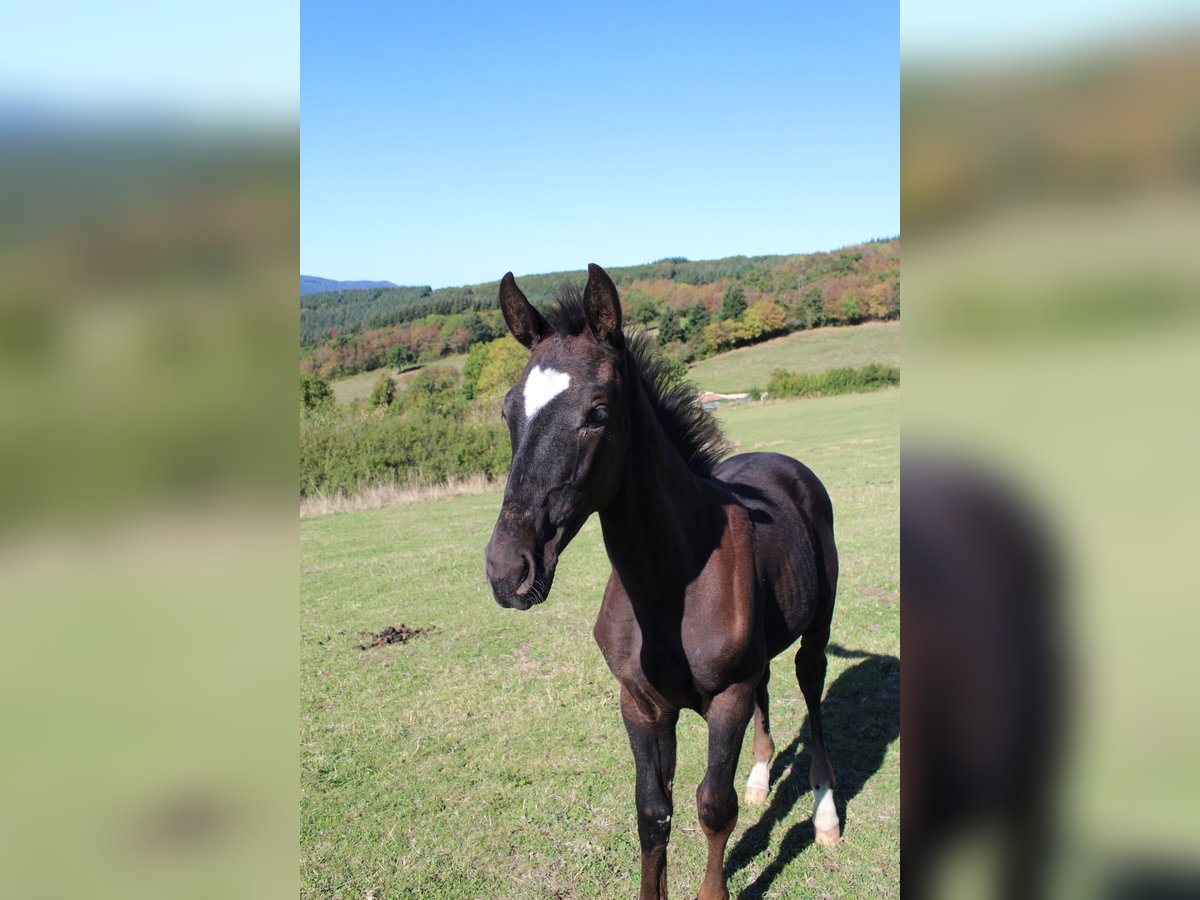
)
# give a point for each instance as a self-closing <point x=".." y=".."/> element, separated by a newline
<point x="717" y="566"/>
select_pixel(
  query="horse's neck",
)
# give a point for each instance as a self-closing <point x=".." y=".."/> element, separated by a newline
<point x="664" y="521"/>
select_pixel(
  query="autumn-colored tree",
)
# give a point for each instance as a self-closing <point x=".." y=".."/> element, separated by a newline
<point x="427" y="341"/>
<point x="455" y="339"/>
<point x="879" y="301"/>
<point x="768" y="316"/>
<point x="715" y="337"/>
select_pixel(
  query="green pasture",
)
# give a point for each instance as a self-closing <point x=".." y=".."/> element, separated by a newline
<point x="487" y="758"/>
<point x="802" y="351"/>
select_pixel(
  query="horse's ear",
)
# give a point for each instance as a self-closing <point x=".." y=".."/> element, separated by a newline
<point x="525" y="322"/>
<point x="603" y="307"/>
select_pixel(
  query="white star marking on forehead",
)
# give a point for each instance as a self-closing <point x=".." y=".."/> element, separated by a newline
<point x="542" y="386"/>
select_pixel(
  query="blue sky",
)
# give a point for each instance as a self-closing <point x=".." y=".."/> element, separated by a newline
<point x="224" y="60"/>
<point x="448" y="143"/>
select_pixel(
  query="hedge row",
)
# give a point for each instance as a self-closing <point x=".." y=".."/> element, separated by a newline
<point x="872" y="377"/>
<point x="346" y="453"/>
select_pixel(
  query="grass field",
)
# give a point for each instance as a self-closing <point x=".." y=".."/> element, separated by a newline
<point x="488" y="759"/>
<point x="802" y="351"/>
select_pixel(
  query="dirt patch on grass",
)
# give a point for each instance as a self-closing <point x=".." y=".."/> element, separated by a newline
<point x="401" y="634"/>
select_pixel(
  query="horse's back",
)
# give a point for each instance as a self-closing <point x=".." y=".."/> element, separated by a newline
<point x="794" y="548"/>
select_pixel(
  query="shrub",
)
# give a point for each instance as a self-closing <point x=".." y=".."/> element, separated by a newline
<point x="384" y="391"/>
<point x="314" y="392"/>
<point x="345" y="452"/>
<point x="435" y="390"/>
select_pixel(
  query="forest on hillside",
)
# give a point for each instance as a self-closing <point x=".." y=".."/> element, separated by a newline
<point x="699" y="307"/>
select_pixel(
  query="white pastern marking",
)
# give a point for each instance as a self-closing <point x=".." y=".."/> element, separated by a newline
<point x="760" y="776"/>
<point x="825" y="817"/>
<point x="542" y="386"/>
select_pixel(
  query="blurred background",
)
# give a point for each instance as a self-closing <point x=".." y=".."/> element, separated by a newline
<point x="149" y="249"/>
<point x="1050" y="163"/>
<point x="149" y="232"/>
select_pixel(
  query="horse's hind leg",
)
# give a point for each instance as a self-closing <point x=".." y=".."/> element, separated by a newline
<point x="759" y="782"/>
<point x="810" y="672"/>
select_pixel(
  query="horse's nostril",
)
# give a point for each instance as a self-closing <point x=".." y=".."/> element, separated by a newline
<point x="528" y="573"/>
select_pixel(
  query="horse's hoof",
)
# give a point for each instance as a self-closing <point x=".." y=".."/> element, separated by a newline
<point x="756" y="796"/>
<point x="830" y="838"/>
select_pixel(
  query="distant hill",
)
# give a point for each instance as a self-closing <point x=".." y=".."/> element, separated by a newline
<point x="311" y="284"/>
<point x="845" y="285"/>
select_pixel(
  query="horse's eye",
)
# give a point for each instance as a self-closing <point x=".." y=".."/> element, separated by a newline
<point x="598" y="415"/>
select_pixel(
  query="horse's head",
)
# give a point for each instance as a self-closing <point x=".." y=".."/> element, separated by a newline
<point x="568" y="428"/>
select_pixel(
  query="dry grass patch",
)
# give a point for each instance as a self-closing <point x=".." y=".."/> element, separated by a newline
<point x="381" y="496"/>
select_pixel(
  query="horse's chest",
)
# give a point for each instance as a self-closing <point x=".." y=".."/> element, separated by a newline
<point x="682" y="665"/>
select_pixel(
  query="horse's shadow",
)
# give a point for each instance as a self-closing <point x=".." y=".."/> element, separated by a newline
<point x="861" y="715"/>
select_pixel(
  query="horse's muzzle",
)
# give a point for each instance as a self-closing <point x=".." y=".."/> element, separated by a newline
<point x="512" y="572"/>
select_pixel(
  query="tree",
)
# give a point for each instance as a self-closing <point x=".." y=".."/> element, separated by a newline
<point x="643" y="309"/>
<point x="669" y="328"/>
<point x="505" y="363"/>
<point x="478" y="330"/>
<point x="399" y="356"/>
<point x="314" y="392"/>
<point x="851" y="307"/>
<point x="715" y="337"/>
<point x="768" y="316"/>
<point x="697" y="317"/>
<point x="813" y="311"/>
<point x="477" y="357"/>
<point x="733" y="304"/>
<point x="384" y="391"/>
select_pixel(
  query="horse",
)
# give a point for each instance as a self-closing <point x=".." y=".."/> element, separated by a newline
<point x="718" y="564"/>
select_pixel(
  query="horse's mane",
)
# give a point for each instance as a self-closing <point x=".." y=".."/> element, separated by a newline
<point x="694" y="432"/>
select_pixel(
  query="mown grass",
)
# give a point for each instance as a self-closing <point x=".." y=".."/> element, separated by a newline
<point x="488" y="759"/>
<point x="802" y="351"/>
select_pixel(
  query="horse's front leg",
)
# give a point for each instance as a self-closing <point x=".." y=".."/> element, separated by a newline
<point x="716" y="799"/>
<point x="652" y="738"/>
